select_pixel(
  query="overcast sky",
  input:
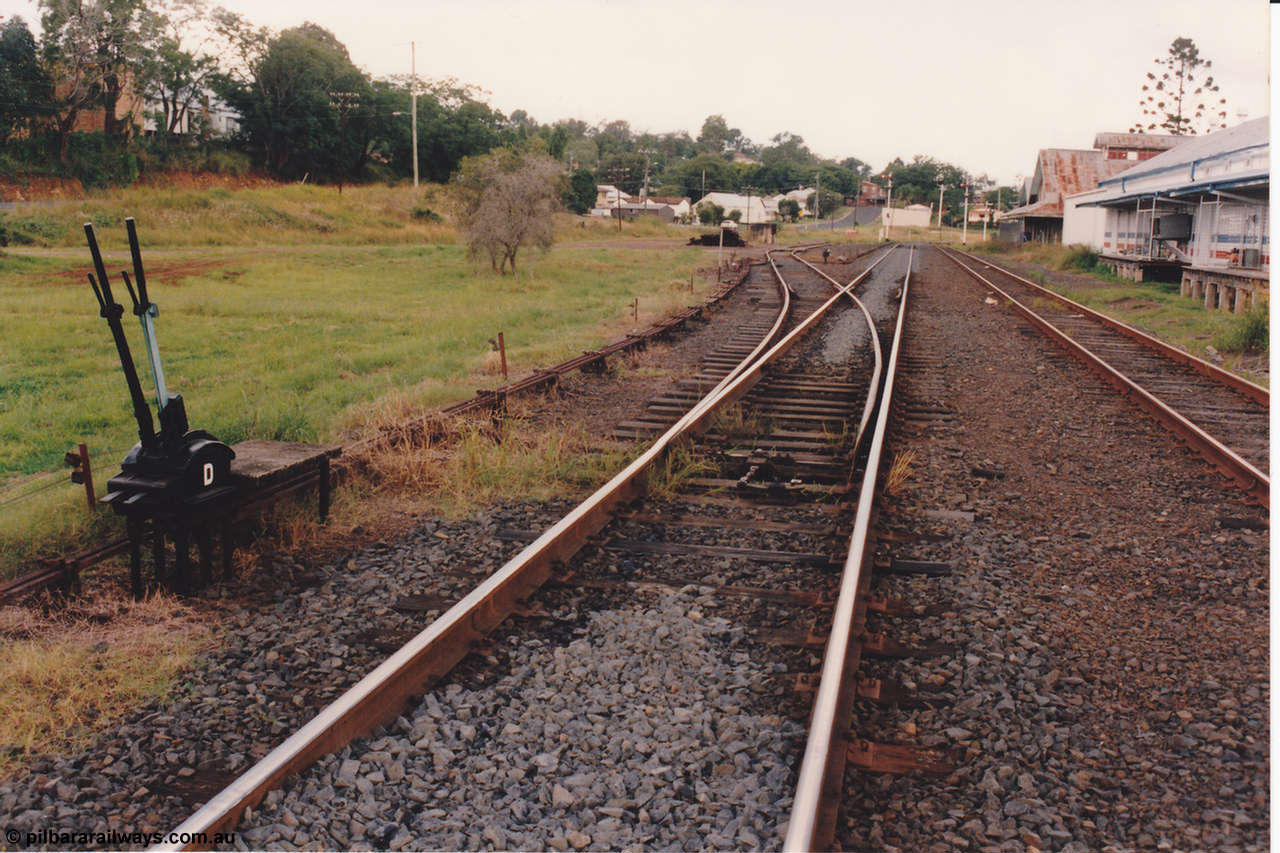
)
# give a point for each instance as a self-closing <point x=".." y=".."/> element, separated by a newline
<point x="982" y="84"/>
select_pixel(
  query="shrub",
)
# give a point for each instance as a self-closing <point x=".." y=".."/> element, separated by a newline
<point x="1080" y="258"/>
<point x="1248" y="334"/>
<point x="234" y="163"/>
<point x="425" y="214"/>
<point x="33" y="228"/>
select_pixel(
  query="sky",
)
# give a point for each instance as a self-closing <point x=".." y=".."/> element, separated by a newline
<point x="983" y="84"/>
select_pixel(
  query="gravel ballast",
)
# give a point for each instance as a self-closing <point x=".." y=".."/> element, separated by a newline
<point x="1109" y="686"/>
<point x="630" y="736"/>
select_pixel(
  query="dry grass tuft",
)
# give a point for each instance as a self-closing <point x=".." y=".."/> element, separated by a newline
<point x="74" y="670"/>
<point x="899" y="472"/>
<point x="681" y="464"/>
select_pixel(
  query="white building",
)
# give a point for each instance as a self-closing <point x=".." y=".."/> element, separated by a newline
<point x="751" y="209"/>
<point x="911" y="216"/>
<point x="1201" y="207"/>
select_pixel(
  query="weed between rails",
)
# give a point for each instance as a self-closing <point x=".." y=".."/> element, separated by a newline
<point x="899" y="472"/>
<point x="681" y="464"/>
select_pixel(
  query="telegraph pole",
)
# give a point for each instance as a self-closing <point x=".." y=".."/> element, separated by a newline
<point x="941" y="185"/>
<point x="413" y="109"/>
<point x="888" y="207"/>
<point x="964" y="233"/>
<point x="817" y="201"/>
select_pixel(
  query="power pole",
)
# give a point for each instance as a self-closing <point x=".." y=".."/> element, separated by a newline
<point x="941" y="185"/>
<point x="888" y="206"/>
<point x="964" y="233"/>
<point x="644" y="190"/>
<point x="817" y="201"/>
<point x="413" y="109"/>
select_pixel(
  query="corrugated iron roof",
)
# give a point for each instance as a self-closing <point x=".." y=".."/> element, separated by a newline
<point x="1141" y="141"/>
<point x="1040" y="208"/>
<point x="1064" y="171"/>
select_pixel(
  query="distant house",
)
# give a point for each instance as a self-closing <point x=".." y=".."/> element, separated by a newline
<point x="871" y="194"/>
<point x="801" y="197"/>
<point x="680" y="205"/>
<point x="207" y="114"/>
<point x="607" y="195"/>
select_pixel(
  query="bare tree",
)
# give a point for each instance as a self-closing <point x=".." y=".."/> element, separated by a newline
<point x="1176" y="100"/>
<point x="505" y="202"/>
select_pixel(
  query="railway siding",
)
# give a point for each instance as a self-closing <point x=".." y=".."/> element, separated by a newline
<point x="1109" y="683"/>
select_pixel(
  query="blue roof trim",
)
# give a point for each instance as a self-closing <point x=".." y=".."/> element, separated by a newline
<point x="1252" y="179"/>
<point x="1125" y="176"/>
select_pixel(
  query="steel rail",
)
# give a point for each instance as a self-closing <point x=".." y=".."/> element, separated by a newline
<point x="819" y="780"/>
<point x="869" y="405"/>
<point x="1247" y="476"/>
<point x="381" y="695"/>
<point x="1234" y="381"/>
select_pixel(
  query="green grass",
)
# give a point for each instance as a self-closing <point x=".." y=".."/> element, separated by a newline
<point x="287" y="345"/>
<point x="265" y="216"/>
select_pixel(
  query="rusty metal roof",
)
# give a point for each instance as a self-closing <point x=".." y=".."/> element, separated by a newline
<point x="1138" y="141"/>
<point x="1039" y="208"/>
<point x="1064" y="171"/>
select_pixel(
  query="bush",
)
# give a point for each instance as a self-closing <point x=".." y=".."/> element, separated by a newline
<point x="31" y="229"/>
<point x="99" y="162"/>
<point x="1080" y="258"/>
<point x="234" y="163"/>
<point x="423" y="213"/>
<point x="1248" y="334"/>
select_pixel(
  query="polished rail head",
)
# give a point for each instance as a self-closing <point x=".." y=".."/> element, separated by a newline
<point x="805" y="828"/>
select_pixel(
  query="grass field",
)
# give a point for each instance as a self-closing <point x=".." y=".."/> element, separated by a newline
<point x="290" y="340"/>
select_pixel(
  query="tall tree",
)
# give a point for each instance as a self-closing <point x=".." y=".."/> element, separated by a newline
<point x="94" y="49"/>
<point x="307" y="106"/>
<point x="178" y="69"/>
<point x="1178" y="97"/>
<point x="25" y="90"/>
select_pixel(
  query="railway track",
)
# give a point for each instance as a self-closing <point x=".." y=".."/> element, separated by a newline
<point x="748" y="478"/>
<point x="1223" y="416"/>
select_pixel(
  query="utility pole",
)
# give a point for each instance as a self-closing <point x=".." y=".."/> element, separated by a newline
<point x="413" y="109"/>
<point x="964" y="233"/>
<point x="888" y="207"/>
<point x="618" y="174"/>
<point x="644" y="190"/>
<point x="941" y="185"/>
<point x="704" y="184"/>
<point x="817" y="201"/>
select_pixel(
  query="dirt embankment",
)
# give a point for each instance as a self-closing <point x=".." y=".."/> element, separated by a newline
<point x="44" y="188"/>
<point x="35" y="188"/>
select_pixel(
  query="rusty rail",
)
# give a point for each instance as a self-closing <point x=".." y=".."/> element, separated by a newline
<point x="382" y="694"/>
<point x="1244" y="474"/>
<point x="1233" y="381"/>
<point x="821" y="774"/>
